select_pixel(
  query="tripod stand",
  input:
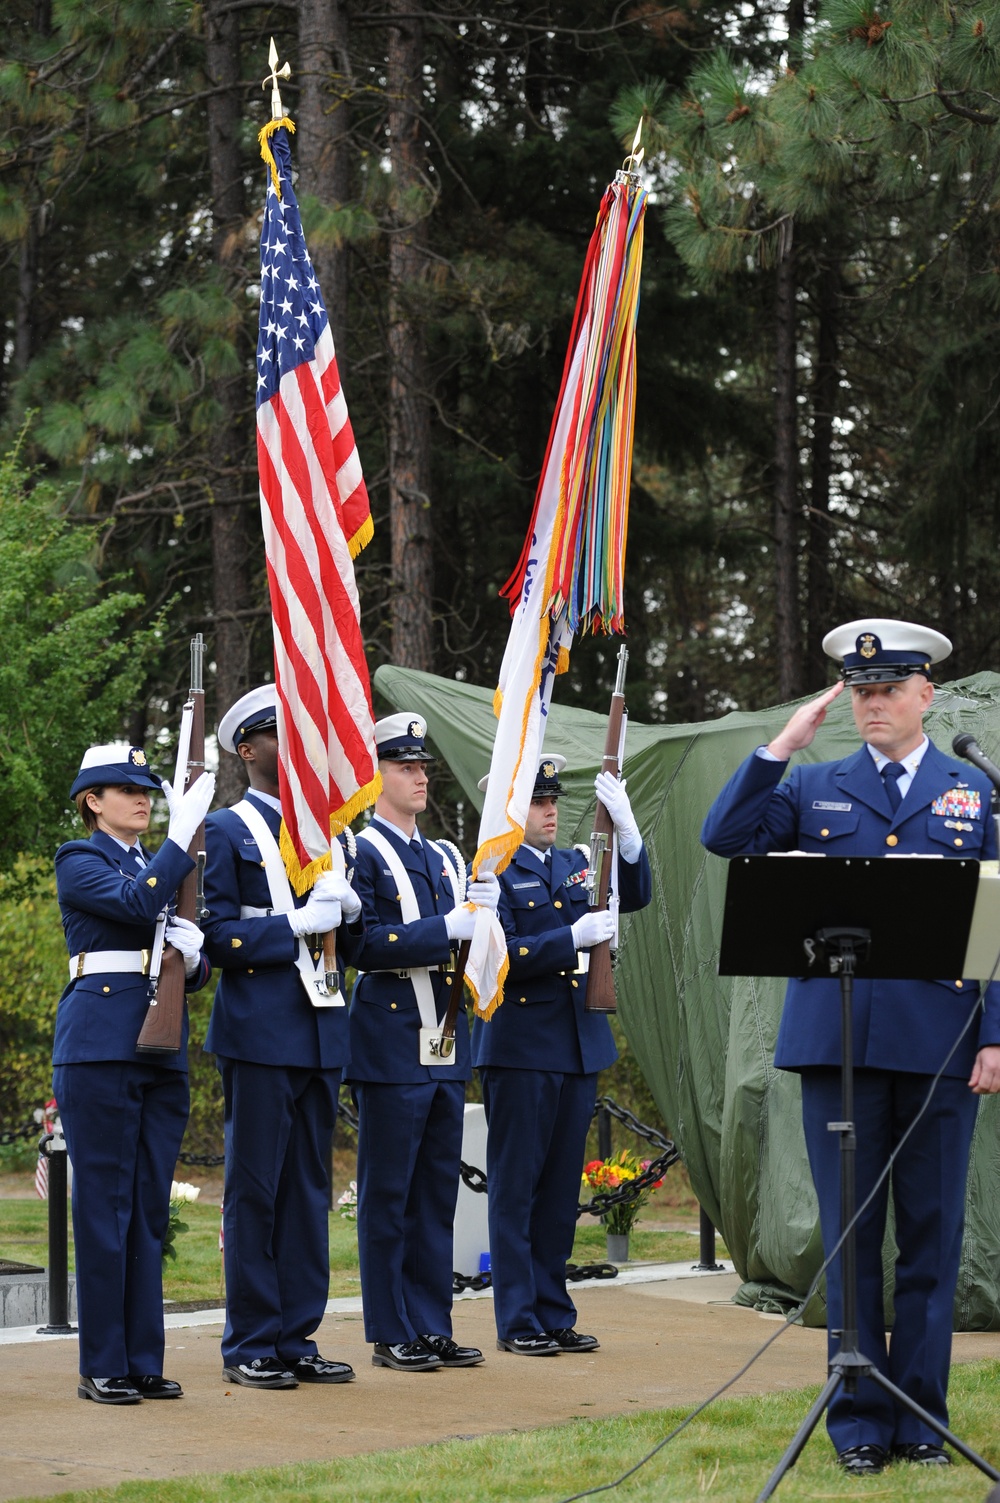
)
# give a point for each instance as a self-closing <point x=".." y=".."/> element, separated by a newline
<point x="842" y="948"/>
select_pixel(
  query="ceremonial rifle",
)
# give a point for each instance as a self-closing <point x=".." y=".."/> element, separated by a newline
<point x="163" y="1028"/>
<point x="600" y="996"/>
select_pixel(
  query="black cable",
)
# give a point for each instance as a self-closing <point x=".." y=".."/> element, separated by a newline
<point x="794" y="1315"/>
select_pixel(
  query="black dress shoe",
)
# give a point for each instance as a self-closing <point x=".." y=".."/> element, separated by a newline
<point x="573" y="1341"/>
<point x="152" y="1386"/>
<point x="864" y="1461"/>
<point x="406" y="1357"/>
<point x="317" y="1369"/>
<point x="529" y="1346"/>
<point x="450" y="1354"/>
<point x="109" y="1390"/>
<point x="262" y="1372"/>
<point x="922" y="1453"/>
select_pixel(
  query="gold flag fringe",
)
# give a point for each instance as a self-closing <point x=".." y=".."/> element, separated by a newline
<point x="361" y="538"/>
<point x="263" y="137"/>
<point x="302" y="877"/>
<point x="488" y="1012"/>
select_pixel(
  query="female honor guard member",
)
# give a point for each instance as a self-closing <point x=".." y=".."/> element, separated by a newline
<point x="538" y="1057"/>
<point x="896" y="794"/>
<point x="123" y="1113"/>
<point x="410" y="1103"/>
<point x="280" y="1037"/>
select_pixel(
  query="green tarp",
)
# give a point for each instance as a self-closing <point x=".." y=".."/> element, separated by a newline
<point x="705" y="1044"/>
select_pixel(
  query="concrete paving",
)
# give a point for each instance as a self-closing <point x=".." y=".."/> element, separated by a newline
<point x="668" y="1338"/>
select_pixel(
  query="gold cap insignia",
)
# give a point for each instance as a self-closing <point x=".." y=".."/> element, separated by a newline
<point x="137" y="757"/>
<point x="415" y="729"/>
<point x="867" y="647"/>
<point x="548" y="769"/>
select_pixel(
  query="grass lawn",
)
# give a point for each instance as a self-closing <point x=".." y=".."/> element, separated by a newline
<point x="196" y="1273"/>
<point x="725" y="1455"/>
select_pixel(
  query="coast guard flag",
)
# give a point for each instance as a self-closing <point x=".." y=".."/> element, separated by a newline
<point x="316" y="519"/>
<point x="570" y="576"/>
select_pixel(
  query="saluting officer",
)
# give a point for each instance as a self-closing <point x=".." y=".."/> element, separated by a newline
<point x="539" y="1056"/>
<point x="410" y="1104"/>
<point x="896" y="793"/>
<point x="280" y="1037"/>
<point x="123" y="1113"/>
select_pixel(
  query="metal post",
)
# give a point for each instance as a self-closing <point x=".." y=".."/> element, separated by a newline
<point x="603" y="1133"/>
<point x="706" y="1244"/>
<point x="53" y="1145"/>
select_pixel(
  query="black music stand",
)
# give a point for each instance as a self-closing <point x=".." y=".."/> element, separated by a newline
<point x="840" y="915"/>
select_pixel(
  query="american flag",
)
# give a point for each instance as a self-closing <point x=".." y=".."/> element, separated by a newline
<point x="316" y="519"/>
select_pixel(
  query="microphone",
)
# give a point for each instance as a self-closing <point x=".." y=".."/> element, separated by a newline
<point x="966" y="745"/>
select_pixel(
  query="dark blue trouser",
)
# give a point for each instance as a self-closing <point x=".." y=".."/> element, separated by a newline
<point x="409" y="1157"/>
<point x="928" y="1191"/>
<point x="538" y="1122"/>
<point x="124" y="1124"/>
<point x="279" y="1128"/>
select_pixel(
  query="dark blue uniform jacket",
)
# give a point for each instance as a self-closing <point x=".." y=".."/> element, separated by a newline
<point x="842" y="808"/>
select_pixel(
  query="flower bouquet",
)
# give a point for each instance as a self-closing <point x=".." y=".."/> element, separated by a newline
<point x="604" y="1175"/>
<point x="180" y="1193"/>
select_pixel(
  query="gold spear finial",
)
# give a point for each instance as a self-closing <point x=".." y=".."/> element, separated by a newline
<point x="285" y="71"/>
<point x="628" y="172"/>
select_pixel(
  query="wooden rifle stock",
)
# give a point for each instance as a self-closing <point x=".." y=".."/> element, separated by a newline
<point x="163" y="1028"/>
<point x="600" y="994"/>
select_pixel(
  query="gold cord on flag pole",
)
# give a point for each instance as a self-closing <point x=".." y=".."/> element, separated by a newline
<point x="278" y="116"/>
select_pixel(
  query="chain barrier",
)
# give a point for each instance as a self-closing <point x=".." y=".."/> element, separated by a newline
<point x="10" y="1135"/>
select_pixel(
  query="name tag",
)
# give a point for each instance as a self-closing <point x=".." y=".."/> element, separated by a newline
<point x="836" y="808"/>
<point x="517" y="886"/>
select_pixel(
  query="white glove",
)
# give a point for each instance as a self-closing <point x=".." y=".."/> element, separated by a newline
<point x="321" y="911"/>
<point x="187" y="810"/>
<point x="593" y="929"/>
<point x="188" y="938"/>
<point x="612" y="795"/>
<point x="460" y="923"/>
<point x="484" y="892"/>
<point x="345" y="894"/>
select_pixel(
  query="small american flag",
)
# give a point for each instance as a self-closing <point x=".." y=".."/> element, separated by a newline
<point x="316" y="519"/>
<point x="42" y="1177"/>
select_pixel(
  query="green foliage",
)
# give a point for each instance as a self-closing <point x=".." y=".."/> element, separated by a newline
<point x="71" y="667"/>
<point x="33" y="967"/>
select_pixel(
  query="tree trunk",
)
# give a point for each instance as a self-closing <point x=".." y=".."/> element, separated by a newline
<point x="323" y="121"/>
<point x="819" y="616"/>
<point x="787" y="634"/>
<point x="409" y="409"/>
<point x="230" y="574"/>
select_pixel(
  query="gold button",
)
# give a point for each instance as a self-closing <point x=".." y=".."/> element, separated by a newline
<point x="958" y="840"/>
<point x="824" y="832"/>
<point x="397" y="897"/>
<point x="392" y="1005"/>
<point x="316" y="955"/>
<point x="262" y="863"/>
<point x="105" y="988"/>
<point x="237" y="944"/>
<point x="574" y="983"/>
<point x="959" y="984"/>
<point x="447" y="981"/>
<point x="892" y="840"/>
<point x="531" y="903"/>
<point x="522" y="1000"/>
<point x="522" y="950"/>
<point x="557" y="903"/>
<point x="249" y="970"/>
